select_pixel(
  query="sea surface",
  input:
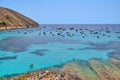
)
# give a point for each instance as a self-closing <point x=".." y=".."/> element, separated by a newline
<point x="55" y="44"/>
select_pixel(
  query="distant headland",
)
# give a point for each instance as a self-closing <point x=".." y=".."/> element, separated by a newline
<point x="10" y="19"/>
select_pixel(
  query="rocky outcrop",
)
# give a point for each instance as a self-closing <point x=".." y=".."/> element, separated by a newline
<point x="10" y="19"/>
<point x="94" y="69"/>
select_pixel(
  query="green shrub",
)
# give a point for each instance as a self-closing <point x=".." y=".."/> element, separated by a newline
<point x="7" y="17"/>
<point x="2" y="23"/>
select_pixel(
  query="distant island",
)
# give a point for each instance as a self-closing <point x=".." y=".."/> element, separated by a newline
<point x="10" y="19"/>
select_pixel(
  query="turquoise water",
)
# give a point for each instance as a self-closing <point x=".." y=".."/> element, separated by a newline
<point x="59" y="44"/>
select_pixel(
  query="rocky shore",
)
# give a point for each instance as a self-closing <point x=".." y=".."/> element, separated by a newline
<point x="93" y="69"/>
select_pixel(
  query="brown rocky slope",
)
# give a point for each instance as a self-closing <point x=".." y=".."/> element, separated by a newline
<point x="10" y="19"/>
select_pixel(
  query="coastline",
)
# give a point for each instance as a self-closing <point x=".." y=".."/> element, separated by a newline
<point x="97" y="69"/>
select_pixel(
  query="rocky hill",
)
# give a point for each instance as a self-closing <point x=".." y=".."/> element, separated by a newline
<point x="10" y="19"/>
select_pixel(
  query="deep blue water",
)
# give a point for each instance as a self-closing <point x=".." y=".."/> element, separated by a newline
<point x="50" y="45"/>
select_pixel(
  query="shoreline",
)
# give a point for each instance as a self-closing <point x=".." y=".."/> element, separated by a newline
<point x="13" y="28"/>
<point x="77" y="70"/>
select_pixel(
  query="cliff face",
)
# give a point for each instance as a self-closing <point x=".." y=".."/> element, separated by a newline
<point x="10" y="19"/>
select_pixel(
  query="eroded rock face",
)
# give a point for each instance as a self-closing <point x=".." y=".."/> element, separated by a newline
<point x="106" y="70"/>
<point x="10" y="19"/>
<point x="82" y="70"/>
<point x="95" y="69"/>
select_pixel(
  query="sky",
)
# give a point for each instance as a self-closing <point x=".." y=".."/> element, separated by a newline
<point x="67" y="11"/>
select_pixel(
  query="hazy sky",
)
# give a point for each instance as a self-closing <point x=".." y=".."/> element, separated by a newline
<point x="67" y="11"/>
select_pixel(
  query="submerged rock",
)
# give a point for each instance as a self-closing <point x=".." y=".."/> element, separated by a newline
<point x="8" y="57"/>
<point x="39" y="52"/>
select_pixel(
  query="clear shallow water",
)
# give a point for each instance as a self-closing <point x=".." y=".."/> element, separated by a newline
<point x="52" y="45"/>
